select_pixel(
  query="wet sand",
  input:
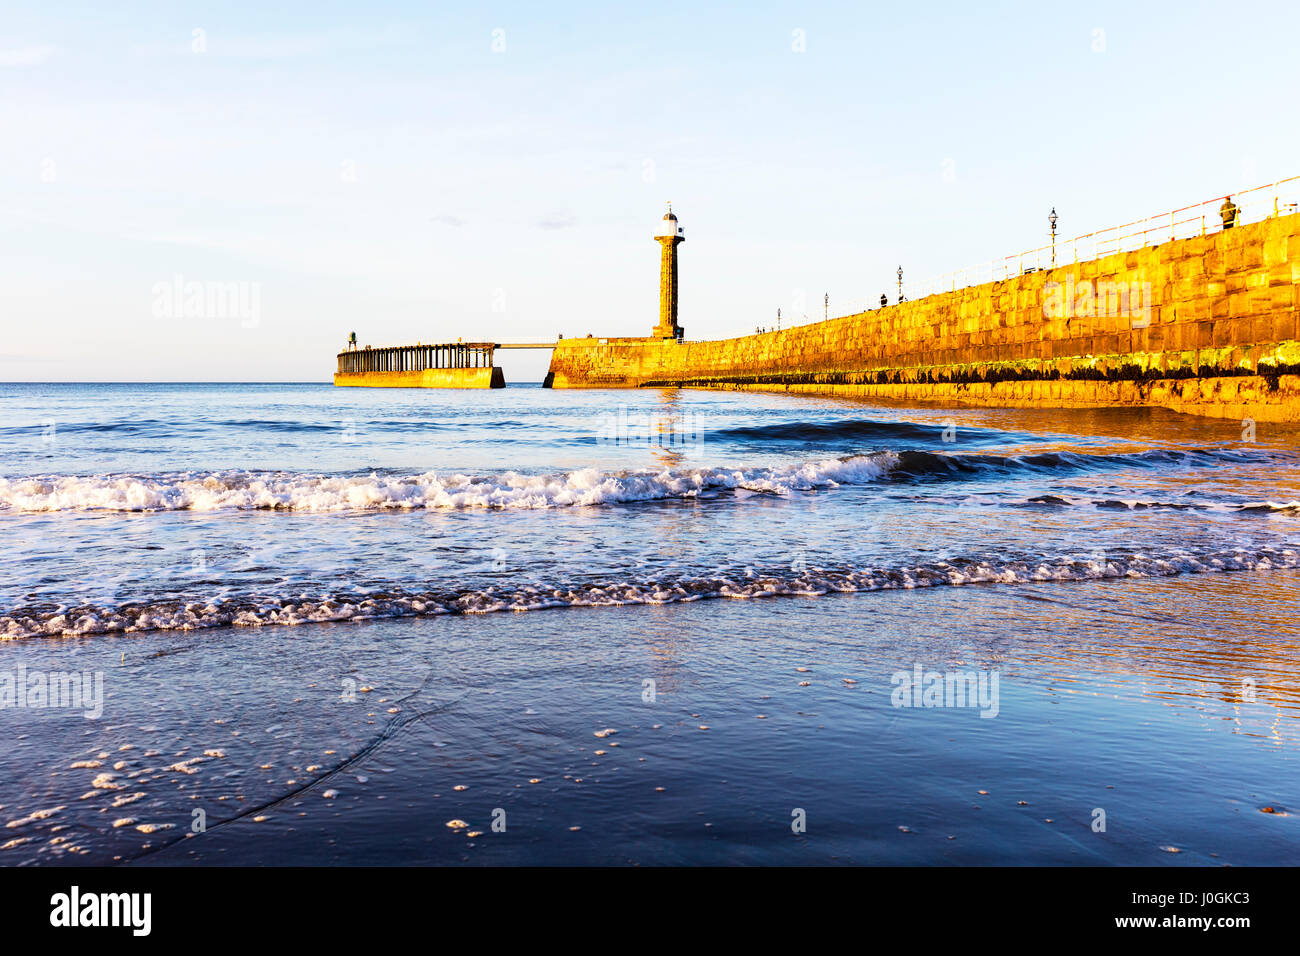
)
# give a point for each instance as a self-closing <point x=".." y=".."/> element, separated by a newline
<point x="359" y="742"/>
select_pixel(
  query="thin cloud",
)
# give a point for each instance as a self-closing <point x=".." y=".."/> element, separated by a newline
<point x="454" y="221"/>
<point x="274" y="46"/>
<point x="26" y="56"/>
<point x="556" y="222"/>
<point x="270" y="47"/>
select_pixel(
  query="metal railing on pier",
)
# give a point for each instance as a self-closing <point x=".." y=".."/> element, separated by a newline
<point x="416" y="358"/>
<point x="1281" y="198"/>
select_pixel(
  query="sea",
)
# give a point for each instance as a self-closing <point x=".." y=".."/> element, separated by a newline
<point x="272" y="624"/>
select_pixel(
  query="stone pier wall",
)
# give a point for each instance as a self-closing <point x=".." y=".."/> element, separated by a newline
<point x="425" y="378"/>
<point x="1206" y="325"/>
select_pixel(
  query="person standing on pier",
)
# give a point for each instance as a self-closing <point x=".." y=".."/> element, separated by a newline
<point x="1228" y="211"/>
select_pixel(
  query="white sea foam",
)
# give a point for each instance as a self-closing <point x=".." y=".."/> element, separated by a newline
<point x="34" y="817"/>
<point x="240" y="490"/>
<point x="1139" y="504"/>
<point x="807" y="582"/>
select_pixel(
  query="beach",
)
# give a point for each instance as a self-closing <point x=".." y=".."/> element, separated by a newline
<point x="507" y="632"/>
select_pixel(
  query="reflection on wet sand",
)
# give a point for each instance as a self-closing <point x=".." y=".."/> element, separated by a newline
<point x="1226" y="646"/>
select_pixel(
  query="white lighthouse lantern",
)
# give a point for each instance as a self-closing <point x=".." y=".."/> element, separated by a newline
<point x="670" y="227"/>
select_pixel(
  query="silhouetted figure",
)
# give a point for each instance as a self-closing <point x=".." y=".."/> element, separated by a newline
<point x="884" y="300"/>
<point x="1229" y="211"/>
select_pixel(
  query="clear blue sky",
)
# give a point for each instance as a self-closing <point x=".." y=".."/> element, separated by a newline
<point x="381" y="167"/>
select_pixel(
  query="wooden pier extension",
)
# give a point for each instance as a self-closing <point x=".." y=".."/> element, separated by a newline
<point x="449" y="365"/>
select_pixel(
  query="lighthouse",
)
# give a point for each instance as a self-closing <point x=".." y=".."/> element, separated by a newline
<point x="668" y="237"/>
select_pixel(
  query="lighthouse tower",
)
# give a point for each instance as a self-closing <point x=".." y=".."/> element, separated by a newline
<point x="668" y="236"/>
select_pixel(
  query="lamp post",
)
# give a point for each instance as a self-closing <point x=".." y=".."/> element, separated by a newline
<point x="1052" y="221"/>
<point x="900" y="283"/>
<point x="778" y="320"/>
<point x="826" y="306"/>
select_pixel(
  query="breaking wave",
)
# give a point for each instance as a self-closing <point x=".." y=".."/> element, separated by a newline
<point x="240" y="490"/>
<point x="744" y="584"/>
<point x="280" y="491"/>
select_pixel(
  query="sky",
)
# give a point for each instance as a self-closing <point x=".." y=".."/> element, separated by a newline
<point x="427" y="172"/>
